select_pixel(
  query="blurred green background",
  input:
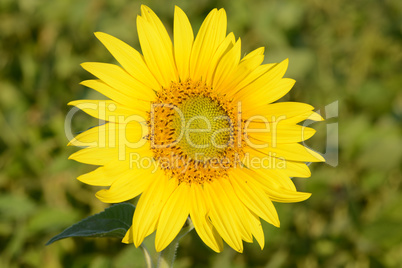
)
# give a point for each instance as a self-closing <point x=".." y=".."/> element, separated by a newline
<point x="339" y="50"/>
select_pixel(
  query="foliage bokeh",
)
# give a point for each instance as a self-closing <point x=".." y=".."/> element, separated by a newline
<point x="345" y="51"/>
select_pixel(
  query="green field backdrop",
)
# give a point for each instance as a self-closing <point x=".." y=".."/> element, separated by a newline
<point x="339" y="50"/>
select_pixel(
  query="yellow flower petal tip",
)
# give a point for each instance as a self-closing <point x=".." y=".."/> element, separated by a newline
<point x="212" y="142"/>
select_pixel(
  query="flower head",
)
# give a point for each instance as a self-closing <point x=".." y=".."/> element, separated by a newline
<point x="193" y="129"/>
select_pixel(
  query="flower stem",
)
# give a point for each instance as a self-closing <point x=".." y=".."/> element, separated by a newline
<point x="166" y="257"/>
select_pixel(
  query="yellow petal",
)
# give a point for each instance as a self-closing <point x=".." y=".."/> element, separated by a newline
<point x="110" y="172"/>
<point x="158" y="52"/>
<point x="243" y="224"/>
<point x="209" y="37"/>
<point x="258" y="93"/>
<point x="149" y="207"/>
<point x="275" y="189"/>
<point x="297" y="169"/>
<point x="95" y="156"/>
<point x="94" y="136"/>
<point x="124" y="151"/>
<point x="282" y="111"/>
<point x="256" y="52"/>
<point x="157" y="26"/>
<point x="288" y="151"/>
<point x="272" y="169"/>
<point x="281" y="169"/>
<point x="97" y="178"/>
<point x="129" y="185"/>
<point x="246" y="66"/>
<point x="278" y="133"/>
<point x="222" y="49"/>
<point x="199" y="217"/>
<point x="183" y="42"/>
<point x="109" y="134"/>
<point x="227" y="65"/>
<point x="315" y="117"/>
<point x="173" y="216"/>
<point x="263" y="84"/>
<point x="109" y="110"/>
<point x="281" y="89"/>
<point x="256" y="227"/>
<point x="222" y="214"/>
<point x="303" y="116"/>
<point x="286" y="196"/>
<point x="273" y="93"/>
<point x="274" y="178"/>
<point x="131" y="60"/>
<point x="253" y="76"/>
<point x="120" y="80"/>
<point x="128" y="237"/>
<point x="115" y="95"/>
<point x="254" y="198"/>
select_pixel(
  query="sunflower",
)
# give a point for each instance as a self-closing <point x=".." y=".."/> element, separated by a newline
<point x="192" y="129"/>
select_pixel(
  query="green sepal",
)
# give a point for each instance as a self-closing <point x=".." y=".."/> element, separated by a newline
<point x="112" y="222"/>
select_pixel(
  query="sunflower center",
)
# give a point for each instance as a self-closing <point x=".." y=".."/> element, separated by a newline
<point x="202" y="128"/>
<point x="194" y="132"/>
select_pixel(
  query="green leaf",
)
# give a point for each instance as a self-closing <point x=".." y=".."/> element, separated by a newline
<point x="113" y="222"/>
